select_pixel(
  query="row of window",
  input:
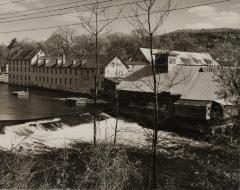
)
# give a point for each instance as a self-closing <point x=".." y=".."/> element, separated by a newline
<point x="55" y="71"/>
<point x="54" y="80"/>
<point x="41" y="79"/>
<point x="19" y="69"/>
<point x="21" y="63"/>
<point x="51" y="80"/>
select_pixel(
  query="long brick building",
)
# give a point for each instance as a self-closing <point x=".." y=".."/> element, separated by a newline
<point x="34" y="69"/>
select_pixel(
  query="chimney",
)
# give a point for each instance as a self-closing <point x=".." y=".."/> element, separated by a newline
<point x="63" y="58"/>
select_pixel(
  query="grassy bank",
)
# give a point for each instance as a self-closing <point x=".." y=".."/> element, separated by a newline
<point x="84" y="166"/>
<point x="183" y="161"/>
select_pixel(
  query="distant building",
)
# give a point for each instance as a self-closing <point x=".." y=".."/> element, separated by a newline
<point x="117" y="69"/>
<point x="182" y="58"/>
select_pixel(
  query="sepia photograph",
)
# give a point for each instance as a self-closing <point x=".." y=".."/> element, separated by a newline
<point x="120" y="94"/>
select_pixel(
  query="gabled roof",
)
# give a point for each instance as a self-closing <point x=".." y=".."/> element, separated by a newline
<point x="25" y="54"/>
<point x="109" y="60"/>
<point x="183" y="58"/>
<point x="175" y="81"/>
<point x="135" y="63"/>
<point x="185" y="81"/>
<point x="204" y="86"/>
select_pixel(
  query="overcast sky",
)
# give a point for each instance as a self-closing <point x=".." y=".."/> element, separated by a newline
<point x="226" y="14"/>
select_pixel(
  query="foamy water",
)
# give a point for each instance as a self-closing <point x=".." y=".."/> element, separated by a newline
<point x="31" y="136"/>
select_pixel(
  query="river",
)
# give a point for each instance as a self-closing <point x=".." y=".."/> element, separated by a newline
<point x="40" y="104"/>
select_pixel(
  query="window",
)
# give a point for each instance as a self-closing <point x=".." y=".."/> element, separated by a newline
<point x="65" y="81"/>
<point x="172" y="61"/>
<point x="70" y="71"/>
<point x="186" y="61"/>
<point x="60" y="81"/>
<point x="56" y="80"/>
<point x="65" y="71"/>
<point x="75" y="71"/>
<point x="70" y="81"/>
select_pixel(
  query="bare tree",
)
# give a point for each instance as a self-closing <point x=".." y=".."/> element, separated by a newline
<point x="62" y="41"/>
<point x="147" y="25"/>
<point x="96" y="24"/>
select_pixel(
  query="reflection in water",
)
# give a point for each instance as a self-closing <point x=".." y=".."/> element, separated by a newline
<point x="15" y="108"/>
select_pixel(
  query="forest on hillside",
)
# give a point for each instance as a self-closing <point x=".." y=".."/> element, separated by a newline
<point x="222" y="44"/>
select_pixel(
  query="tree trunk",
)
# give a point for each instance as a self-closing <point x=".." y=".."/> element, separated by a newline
<point x="117" y="115"/>
<point x="96" y="84"/>
<point x="155" y="130"/>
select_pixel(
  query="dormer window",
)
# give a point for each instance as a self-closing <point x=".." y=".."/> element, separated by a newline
<point x="172" y="60"/>
<point x="198" y="61"/>
<point x="186" y="61"/>
<point x="84" y="62"/>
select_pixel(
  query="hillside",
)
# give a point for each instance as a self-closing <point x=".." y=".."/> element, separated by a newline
<point x="220" y="43"/>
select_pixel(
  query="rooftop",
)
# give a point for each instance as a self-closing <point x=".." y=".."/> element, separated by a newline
<point x="24" y="54"/>
<point x="183" y="58"/>
<point x="185" y="81"/>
